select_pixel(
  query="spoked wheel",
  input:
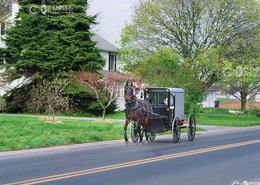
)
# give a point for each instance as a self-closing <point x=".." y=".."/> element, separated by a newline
<point x="151" y="136"/>
<point x="134" y="132"/>
<point x="176" y="130"/>
<point x="191" y="127"/>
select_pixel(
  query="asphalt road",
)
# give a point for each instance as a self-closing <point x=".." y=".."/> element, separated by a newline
<point x="215" y="158"/>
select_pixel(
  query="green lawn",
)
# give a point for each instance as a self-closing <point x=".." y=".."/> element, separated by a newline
<point x="228" y="120"/>
<point x="25" y="132"/>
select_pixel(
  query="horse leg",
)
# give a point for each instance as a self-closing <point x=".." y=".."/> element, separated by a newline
<point x="125" y="130"/>
<point x="140" y="133"/>
<point x="146" y="136"/>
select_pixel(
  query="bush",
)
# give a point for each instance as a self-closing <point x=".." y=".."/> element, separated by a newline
<point x="82" y="102"/>
<point x="258" y="114"/>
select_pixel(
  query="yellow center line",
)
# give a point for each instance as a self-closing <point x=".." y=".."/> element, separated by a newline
<point x="130" y="164"/>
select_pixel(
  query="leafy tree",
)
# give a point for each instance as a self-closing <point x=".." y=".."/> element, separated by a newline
<point x="242" y="69"/>
<point x="164" y="68"/>
<point x="52" y="38"/>
<point x="189" y="27"/>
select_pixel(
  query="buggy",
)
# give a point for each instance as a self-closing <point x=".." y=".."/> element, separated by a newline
<point x="167" y="114"/>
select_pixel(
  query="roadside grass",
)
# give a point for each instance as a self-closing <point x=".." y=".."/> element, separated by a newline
<point x="228" y="120"/>
<point x="17" y="133"/>
<point x="25" y="132"/>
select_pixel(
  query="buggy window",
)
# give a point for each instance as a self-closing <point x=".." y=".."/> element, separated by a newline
<point x="157" y="98"/>
<point x="152" y="97"/>
<point x="163" y="99"/>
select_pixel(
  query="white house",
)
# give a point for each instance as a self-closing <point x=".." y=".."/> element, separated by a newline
<point x="107" y="50"/>
<point x="8" y="20"/>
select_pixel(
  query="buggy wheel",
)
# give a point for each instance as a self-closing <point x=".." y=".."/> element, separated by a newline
<point x="134" y="131"/>
<point x="151" y="136"/>
<point x="191" y="127"/>
<point x="176" y="130"/>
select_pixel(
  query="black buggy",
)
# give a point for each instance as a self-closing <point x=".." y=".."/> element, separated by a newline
<point x="168" y="114"/>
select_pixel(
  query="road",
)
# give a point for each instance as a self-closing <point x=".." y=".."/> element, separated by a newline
<point x="217" y="157"/>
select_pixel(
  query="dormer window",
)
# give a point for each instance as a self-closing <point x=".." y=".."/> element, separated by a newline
<point x="112" y="62"/>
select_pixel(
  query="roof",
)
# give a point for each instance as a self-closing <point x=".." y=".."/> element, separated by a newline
<point x="173" y="90"/>
<point x="123" y="76"/>
<point x="103" y="44"/>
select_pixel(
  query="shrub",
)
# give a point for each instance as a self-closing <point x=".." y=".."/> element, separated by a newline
<point x="258" y="114"/>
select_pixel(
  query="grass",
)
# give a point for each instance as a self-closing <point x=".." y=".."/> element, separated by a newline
<point x="228" y="120"/>
<point x="18" y="133"/>
<point x="25" y="132"/>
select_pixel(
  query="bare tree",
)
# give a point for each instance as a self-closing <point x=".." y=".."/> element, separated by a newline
<point x="49" y="97"/>
<point x="106" y="89"/>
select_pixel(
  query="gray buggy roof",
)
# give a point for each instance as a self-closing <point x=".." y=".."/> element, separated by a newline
<point x="172" y="90"/>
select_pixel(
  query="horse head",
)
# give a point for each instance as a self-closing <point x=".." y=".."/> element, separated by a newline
<point x="129" y="93"/>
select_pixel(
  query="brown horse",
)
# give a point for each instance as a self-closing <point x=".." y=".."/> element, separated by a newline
<point x="136" y="110"/>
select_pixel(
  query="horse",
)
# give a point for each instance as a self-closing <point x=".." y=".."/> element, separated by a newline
<point x="136" y="110"/>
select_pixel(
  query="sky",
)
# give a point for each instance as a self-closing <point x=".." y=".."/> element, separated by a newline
<point x="112" y="17"/>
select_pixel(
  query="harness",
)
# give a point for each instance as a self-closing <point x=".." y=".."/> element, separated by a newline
<point x="132" y="108"/>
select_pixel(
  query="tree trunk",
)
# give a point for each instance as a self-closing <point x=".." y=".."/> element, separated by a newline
<point x="243" y="100"/>
<point x="104" y="114"/>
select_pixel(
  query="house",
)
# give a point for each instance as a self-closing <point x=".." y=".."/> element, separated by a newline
<point x="227" y="100"/>
<point x="7" y="19"/>
<point x="109" y="53"/>
<point x="107" y="50"/>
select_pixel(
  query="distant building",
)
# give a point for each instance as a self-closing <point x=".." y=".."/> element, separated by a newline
<point x="226" y="100"/>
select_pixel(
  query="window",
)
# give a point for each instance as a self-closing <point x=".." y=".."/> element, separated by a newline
<point x="152" y="97"/>
<point x="157" y="98"/>
<point x="3" y="29"/>
<point x="112" y="62"/>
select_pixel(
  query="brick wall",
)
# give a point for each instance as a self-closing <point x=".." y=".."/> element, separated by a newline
<point x="233" y="104"/>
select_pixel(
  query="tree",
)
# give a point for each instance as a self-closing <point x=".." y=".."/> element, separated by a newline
<point x="189" y="27"/>
<point x="242" y="70"/>
<point x="52" y="38"/>
<point x="106" y="90"/>
<point x="49" y="97"/>
<point x="164" y="68"/>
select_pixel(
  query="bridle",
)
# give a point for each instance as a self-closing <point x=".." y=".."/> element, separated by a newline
<point x="133" y="103"/>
